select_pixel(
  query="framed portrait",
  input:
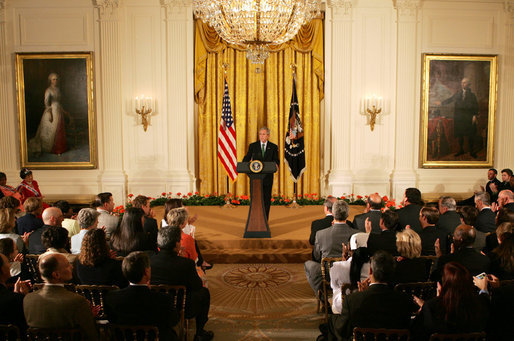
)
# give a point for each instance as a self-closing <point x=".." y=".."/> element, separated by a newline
<point x="56" y="110"/>
<point x="457" y="111"/>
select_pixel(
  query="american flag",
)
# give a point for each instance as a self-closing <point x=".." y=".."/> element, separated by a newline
<point x="227" y="137"/>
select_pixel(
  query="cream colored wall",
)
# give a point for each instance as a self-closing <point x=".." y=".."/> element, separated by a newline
<point x="146" y="47"/>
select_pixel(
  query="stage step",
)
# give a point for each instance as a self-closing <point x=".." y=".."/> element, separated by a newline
<point x="255" y="255"/>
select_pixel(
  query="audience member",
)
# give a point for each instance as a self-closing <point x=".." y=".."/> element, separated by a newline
<point x="88" y="220"/>
<point x="70" y="222"/>
<point x="373" y="211"/>
<point x="320" y="224"/>
<point x="328" y="243"/>
<point x="409" y="267"/>
<point x="28" y="187"/>
<point x="178" y="217"/>
<point x="170" y="268"/>
<point x="7" y="220"/>
<point x="409" y="215"/>
<point x="502" y="257"/>
<point x="136" y="304"/>
<point x="492" y="185"/>
<point x="6" y="190"/>
<point x="11" y="302"/>
<point x="449" y="219"/>
<point x="150" y="224"/>
<point x="95" y="264"/>
<point x="14" y="204"/>
<point x="506" y="177"/>
<point x="56" y="240"/>
<point x="502" y="216"/>
<point x="457" y="308"/>
<point x="428" y="218"/>
<point x="129" y="236"/>
<point x="52" y="216"/>
<point x="53" y="306"/>
<point x="104" y="203"/>
<point x="469" y="216"/>
<point x="30" y="221"/>
<point x="386" y="240"/>
<point x="486" y="217"/>
<point x="464" y="253"/>
<point x="506" y="200"/>
<point x="501" y="327"/>
<point x="9" y="249"/>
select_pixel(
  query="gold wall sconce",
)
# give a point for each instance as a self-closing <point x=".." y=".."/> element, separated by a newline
<point x="373" y="107"/>
<point x="144" y="108"/>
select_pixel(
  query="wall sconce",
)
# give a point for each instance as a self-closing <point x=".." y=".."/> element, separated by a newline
<point x="144" y="108"/>
<point x="373" y="106"/>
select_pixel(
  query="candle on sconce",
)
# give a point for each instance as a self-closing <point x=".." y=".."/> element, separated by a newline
<point x="137" y="103"/>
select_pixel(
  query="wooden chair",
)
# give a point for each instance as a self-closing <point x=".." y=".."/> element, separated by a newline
<point x="322" y="294"/>
<point x="423" y="290"/>
<point x="178" y="295"/>
<point x="9" y="332"/>
<point x="54" y="334"/>
<point x="380" y="334"/>
<point x="458" y="337"/>
<point x="67" y="286"/>
<point x="120" y="332"/>
<point x="31" y="262"/>
<point x="95" y="295"/>
<point x="432" y="260"/>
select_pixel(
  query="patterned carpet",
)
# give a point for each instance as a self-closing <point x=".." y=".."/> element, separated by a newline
<point x="261" y="302"/>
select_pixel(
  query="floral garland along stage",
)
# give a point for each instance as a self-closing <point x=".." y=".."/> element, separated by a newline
<point x="197" y="199"/>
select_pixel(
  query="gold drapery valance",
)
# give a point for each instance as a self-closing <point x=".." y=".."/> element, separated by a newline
<point x="258" y="98"/>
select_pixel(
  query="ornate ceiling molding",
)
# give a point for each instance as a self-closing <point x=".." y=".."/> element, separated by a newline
<point x="108" y="9"/>
<point x="3" y="10"/>
<point x="407" y="7"/>
<point x="509" y="8"/>
<point x="341" y="7"/>
<point x="176" y="8"/>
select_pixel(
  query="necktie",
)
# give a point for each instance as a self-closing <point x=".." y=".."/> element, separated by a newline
<point x="263" y="149"/>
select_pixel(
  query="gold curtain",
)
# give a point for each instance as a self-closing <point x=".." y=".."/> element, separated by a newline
<point x="258" y="99"/>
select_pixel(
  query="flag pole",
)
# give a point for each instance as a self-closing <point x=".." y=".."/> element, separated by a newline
<point x="294" y="204"/>
<point x="227" y="197"/>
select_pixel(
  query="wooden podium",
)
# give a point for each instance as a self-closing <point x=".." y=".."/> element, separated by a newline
<point x="257" y="223"/>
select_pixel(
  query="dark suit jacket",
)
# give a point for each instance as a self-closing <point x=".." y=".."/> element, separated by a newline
<point x="106" y="273"/>
<point x="35" y="245"/>
<point x="329" y="241"/>
<point x="318" y="225"/>
<point x="271" y="155"/>
<point x="448" y="221"/>
<point x="493" y="196"/>
<point x="28" y="223"/>
<point x="360" y="220"/>
<point x="11" y="308"/>
<point x="509" y="206"/>
<point x="135" y="305"/>
<point x="486" y="221"/>
<point x="428" y="237"/>
<point x="411" y="270"/>
<point x="474" y="261"/>
<point x="386" y="241"/>
<point x="379" y="306"/>
<point x="150" y="228"/>
<point x="409" y="215"/>
<point x="501" y="327"/>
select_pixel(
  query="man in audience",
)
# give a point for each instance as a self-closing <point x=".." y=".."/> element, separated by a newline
<point x="486" y="217"/>
<point x="409" y="215"/>
<point x="169" y="268"/>
<point x="70" y="222"/>
<point x="104" y="204"/>
<point x="449" y="219"/>
<point x="465" y="254"/>
<point x="506" y="176"/>
<point x="428" y="218"/>
<point x="506" y="200"/>
<point x="30" y="221"/>
<point x="376" y="306"/>
<point x="88" y="220"/>
<point x="150" y="224"/>
<point x="52" y="216"/>
<point x="373" y="212"/>
<point x="11" y="302"/>
<point x="386" y="240"/>
<point x="492" y="185"/>
<point x="136" y="304"/>
<point x="320" y="224"/>
<point x="54" y="306"/>
<point x="328" y="243"/>
<point x="55" y="239"/>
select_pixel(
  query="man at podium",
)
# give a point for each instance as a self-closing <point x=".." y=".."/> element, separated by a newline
<point x="264" y="150"/>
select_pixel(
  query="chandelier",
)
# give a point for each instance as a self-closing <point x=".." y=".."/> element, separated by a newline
<point x="256" y="24"/>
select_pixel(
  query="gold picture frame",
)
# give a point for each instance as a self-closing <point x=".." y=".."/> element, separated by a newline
<point x="56" y="110"/>
<point x="458" y="110"/>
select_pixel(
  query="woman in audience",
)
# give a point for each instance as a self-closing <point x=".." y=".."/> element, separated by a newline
<point x="95" y="264"/>
<point x="492" y="241"/>
<point x="502" y="257"/>
<point x="129" y="235"/>
<point x="32" y="219"/>
<point x="9" y="249"/>
<point x="178" y="217"/>
<point x="55" y="239"/>
<point x="28" y="187"/>
<point x="458" y="308"/>
<point x="7" y="190"/>
<point x="409" y="267"/>
<point x="7" y="221"/>
<point x="176" y="203"/>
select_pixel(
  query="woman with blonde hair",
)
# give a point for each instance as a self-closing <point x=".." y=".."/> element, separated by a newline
<point x="7" y="220"/>
<point x="409" y="266"/>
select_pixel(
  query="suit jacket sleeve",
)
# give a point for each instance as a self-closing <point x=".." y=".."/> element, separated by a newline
<point x="317" y="249"/>
<point x="85" y="319"/>
<point x="248" y="156"/>
<point x="312" y="237"/>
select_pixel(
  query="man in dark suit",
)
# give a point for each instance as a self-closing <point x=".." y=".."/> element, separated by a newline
<point x="465" y="254"/>
<point x="320" y="224"/>
<point x="266" y="151"/>
<point x="136" y="304"/>
<point x="11" y="302"/>
<point x="409" y="215"/>
<point x="428" y="218"/>
<point x="449" y="219"/>
<point x="52" y="216"/>
<point x="169" y="268"/>
<point x="377" y="306"/>
<point x="150" y="224"/>
<point x="486" y="217"/>
<point x="492" y="185"/>
<point x="386" y="239"/>
<point x="373" y="212"/>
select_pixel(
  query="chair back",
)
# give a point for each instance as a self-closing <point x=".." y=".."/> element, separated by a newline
<point x="423" y="290"/>
<point x="9" y="332"/>
<point x="67" y="286"/>
<point x="380" y="334"/>
<point x="322" y="297"/>
<point x="54" y="334"/>
<point x="120" y="332"/>
<point x="458" y="337"/>
<point x="178" y="296"/>
<point x="31" y="262"/>
<point x="432" y="260"/>
<point x="95" y="294"/>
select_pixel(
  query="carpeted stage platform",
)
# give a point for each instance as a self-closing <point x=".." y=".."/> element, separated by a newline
<point x="219" y="233"/>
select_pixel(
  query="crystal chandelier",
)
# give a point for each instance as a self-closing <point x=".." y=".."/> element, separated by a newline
<point x="256" y="24"/>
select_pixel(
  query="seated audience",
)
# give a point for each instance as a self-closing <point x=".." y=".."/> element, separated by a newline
<point x="321" y="224"/>
<point x="502" y="257"/>
<point x="458" y="308"/>
<point x="11" y="302"/>
<point x="6" y="190"/>
<point x="409" y="215"/>
<point x="129" y="236"/>
<point x="7" y="220"/>
<point x="9" y="249"/>
<point x="150" y="224"/>
<point x="53" y="306"/>
<point x="409" y="267"/>
<point x="428" y="218"/>
<point x="386" y="240"/>
<point x="373" y="211"/>
<point x="30" y="221"/>
<point x="170" y="268"/>
<point x="328" y="243"/>
<point x="449" y="219"/>
<point x="178" y="217"/>
<point x="88" y="220"/>
<point x="491" y="187"/>
<point x="95" y="264"/>
<point x="52" y="216"/>
<point x="55" y="240"/>
<point x="136" y="304"/>
<point x="70" y="222"/>
<point x="502" y="216"/>
<point x="506" y="179"/>
<point x="464" y="253"/>
<point x="469" y="217"/>
<point x="486" y="217"/>
<point x="104" y="204"/>
<point x="506" y="200"/>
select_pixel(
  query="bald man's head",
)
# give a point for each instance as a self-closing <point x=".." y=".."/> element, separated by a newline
<point x="464" y="236"/>
<point x="52" y="216"/>
<point x="375" y="201"/>
<point x="55" y="268"/>
<point x="505" y="197"/>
